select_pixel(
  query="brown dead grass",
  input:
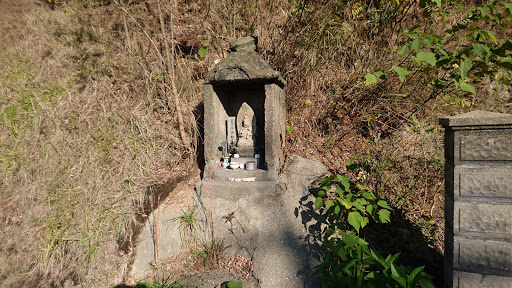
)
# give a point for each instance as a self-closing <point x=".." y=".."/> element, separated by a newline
<point x="86" y="129"/>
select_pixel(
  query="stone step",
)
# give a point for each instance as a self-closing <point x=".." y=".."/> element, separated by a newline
<point x="243" y="159"/>
<point x="223" y="174"/>
<point x="235" y="190"/>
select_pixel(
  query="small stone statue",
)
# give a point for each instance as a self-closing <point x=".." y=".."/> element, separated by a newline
<point x="245" y="135"/>
<point x="246" y="126"/>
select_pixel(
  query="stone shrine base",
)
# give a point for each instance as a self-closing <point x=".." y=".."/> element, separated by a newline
<point x="268" y="227"/>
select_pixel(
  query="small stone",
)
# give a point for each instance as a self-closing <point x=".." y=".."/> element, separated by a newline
<point x="243" y="44"/>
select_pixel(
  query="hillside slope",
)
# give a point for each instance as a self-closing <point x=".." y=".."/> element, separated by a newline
<point x="90" y="138"/>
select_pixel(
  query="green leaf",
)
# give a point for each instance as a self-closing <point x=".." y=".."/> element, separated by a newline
<point x="426" y="283"/>
<point x="362" y="242"/>
<point x="232" y="284"/>
<point x="359" y="206"/>
<point x="370" y="79"/>
<point x="401" y="71"/>
<point x="397" y="275"/>
<point x="438" y="3"/>
<point x="202" y="51"/>
<point x="379" y="258"/>
<point x="508" y="6"/>
<point x="308" y="101"/>
<point x="380" y="74"/>
<point x="467" y="87"/>
<point x="350" y="164"/>
<point x="347" y="204"/>
<point x="384" y="215"/>
<point x="319" y="203"/>
<point x="383" y="204"/>
<point x="465" y="66"/>
<point x="289" y="129"/>
<point x="369" y="208"/>
<point x="329" y="204"/>
<point x="342" y="252"/>
<point x="355" y="220"/>
<point x="416" y="44"/>
<point x="404" y="50"/>
<point x="321" y="193"/>
<point x="343" y="179"/>
<point x="337" y="210"/>
<point x="350" y="240"/>
<point x="364" y="222"/>
<point x="368" y="195"/>
<point x="481" y="50"/>
<point x="362" y="201"/>
<point x="414" y="277"/>
<point x="427" y="57"/>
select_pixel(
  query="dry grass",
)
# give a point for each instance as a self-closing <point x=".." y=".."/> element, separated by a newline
<point x="85" y="130"/>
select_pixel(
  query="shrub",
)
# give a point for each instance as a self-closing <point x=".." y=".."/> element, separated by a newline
<point x="348" y="259"/>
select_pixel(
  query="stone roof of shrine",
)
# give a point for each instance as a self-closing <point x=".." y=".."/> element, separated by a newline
<point x="244" y="65"/>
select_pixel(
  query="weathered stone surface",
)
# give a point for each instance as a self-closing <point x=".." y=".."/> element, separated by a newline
<point x="159" y="239"/>
<point x="244" y="64"/>
<point x="489" y="182"/>
<point x="485" y="256"/>
<point x="486" y="145"/>
<point x="228" y="190"/>
<point x="477" y="118"/>
<point x="474" y="280"/>
<point x="241" y="44"/>
<point x="275" y="126"/>
<point x="267" y="228"/>
<point x="483" y="218"/>
<point x="243" y="81"/>
<point x="478" y="205"/>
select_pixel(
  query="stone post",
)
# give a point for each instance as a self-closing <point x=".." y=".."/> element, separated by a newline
<point x="478" y="204"/>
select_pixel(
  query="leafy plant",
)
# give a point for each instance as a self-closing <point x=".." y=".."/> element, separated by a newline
<point x="483" y="52"/>
<point x="232" y="284"/>
<point x="348" y="259"/>
<point x="208" y="253"/>
<point x="166" y="284"/>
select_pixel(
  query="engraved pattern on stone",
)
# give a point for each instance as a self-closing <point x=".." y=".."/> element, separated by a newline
<point x="483" y="254"/>
<point x="486" y="146"/>
<point x="471" y="280"/>
<point x="487" y="184"/>
<point x="231" y="137"/>
<point x="484" y="218"/>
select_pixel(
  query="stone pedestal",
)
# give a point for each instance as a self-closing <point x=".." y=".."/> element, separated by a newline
<point x="478" y="205"/>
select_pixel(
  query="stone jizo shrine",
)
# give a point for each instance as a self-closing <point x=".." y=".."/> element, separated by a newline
<point x="245" y="112"/>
